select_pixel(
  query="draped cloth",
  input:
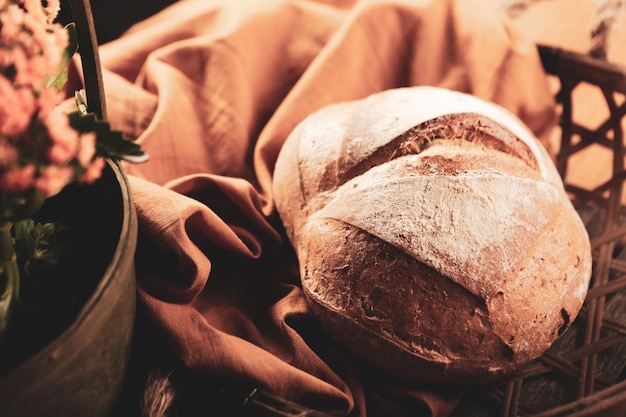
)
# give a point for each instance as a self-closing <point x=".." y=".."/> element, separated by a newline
<point x="211" y="89"/>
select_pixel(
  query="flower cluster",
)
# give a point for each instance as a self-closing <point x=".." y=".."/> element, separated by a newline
<point x="39" y="150"/>
<point x="42" y="149"/>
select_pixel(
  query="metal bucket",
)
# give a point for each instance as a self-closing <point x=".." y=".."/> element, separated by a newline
<point x="82" y="371"/>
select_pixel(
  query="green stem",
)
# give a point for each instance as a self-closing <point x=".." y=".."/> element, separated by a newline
<point x="9" y="281"/>
<point x="6" y="243"/>
<point x="22" y="327"/>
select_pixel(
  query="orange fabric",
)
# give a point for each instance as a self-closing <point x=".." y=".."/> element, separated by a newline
<point x="212" y="89"/>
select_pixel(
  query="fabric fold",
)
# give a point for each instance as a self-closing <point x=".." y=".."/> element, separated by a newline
<point x="211" y="89"/>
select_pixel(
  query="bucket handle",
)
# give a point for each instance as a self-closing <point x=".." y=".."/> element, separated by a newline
<point x="90" y="57"/>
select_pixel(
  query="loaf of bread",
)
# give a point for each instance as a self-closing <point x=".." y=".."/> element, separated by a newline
<point x="434" y="235"/>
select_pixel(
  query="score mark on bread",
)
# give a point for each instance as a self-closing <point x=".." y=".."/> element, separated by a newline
<point x="434" y="235"/>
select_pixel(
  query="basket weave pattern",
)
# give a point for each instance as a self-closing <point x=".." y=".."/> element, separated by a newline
<point x="584" y="373"/>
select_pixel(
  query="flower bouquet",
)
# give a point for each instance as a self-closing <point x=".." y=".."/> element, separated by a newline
<point x="43" y="149"/>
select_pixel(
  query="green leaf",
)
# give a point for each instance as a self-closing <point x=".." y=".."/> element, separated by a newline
<point x="41" y="245"/>
<point x="20" y="323"/>
<point x="59" y="79"/>
<point x="109" y="143"/>
<point x="14" y="207"/>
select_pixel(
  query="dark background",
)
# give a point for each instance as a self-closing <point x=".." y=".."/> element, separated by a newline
<point x="113" y="17"/>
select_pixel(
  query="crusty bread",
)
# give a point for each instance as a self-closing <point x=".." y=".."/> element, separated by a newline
<point x="434" y="235"/>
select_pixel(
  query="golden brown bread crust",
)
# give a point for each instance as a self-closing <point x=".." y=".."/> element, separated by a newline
<point x="434" y="236"/>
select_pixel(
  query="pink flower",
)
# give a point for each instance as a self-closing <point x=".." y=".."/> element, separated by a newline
<point x="52" y="9"/>
<point x="6" y="58"/>
<point x="34" y="8"/>
<point x="48" y="101"/>
<point x="17" y="107"/>
<point x="39" y="149"/>
<point x="87" y="149"/>
<point x="93" y="172"/>
<point x="24" y="74"/>
<point x="53" y="179"/>
<point x="30" y="70"/>
<point x="11" y="20"/>
<point x="31" y="42"/>
<point x="8" y="154"/>
<point x="56" y="42"/>
<point x="18" y="179"/>
<point x="49" y="42"/>
<point x="63" y="138"/>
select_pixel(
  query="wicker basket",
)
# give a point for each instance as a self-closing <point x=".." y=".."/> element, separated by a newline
<point x="584" y="373"/>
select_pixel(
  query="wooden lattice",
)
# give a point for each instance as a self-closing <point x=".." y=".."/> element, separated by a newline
<point x="583" y="373"/>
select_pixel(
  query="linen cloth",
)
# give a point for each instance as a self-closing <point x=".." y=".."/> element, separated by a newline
<point x="211" y="89"/>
